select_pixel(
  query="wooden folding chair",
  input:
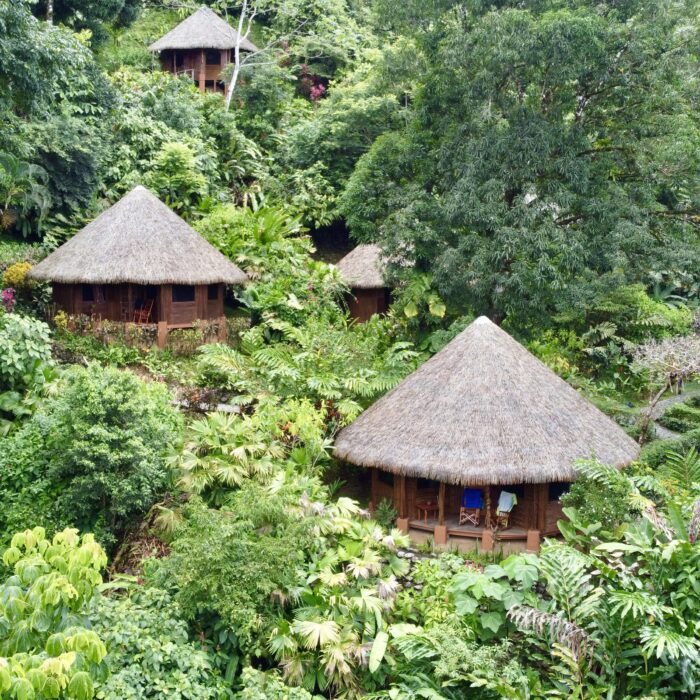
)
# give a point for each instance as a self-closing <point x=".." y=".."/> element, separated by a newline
<point x="506" y="502"/>
<point x="470" y="509"/>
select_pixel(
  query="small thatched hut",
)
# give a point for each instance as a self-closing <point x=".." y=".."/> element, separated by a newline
<point x="485" y="413"/>
<point x="200" y="46"/>
<point x="363" y="271"/>
<point x="138" y="260"/>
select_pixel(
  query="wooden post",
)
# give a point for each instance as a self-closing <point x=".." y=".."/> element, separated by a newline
<point x="441" y="503"/>
<point x="533" y="541"/>
<point x="401" y="505"/>
<point x="162" y="334"/>
<point x="223" y="329"/>
<point x="202" y="71"/>
<point x="540" y="507"/>
<point x="487" y="519"/>
<point x="440" y="535"/>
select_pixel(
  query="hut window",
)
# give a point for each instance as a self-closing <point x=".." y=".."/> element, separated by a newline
<point x="183" y="292"/>
<point x="427" y="485"/>
<point x="213" y="58"/>
<point x="213" y="292"/>
<point x="556" y="491"/>
<point x="88" y="292"/>
<point x="179" y="59"/>
<point x="385" y="477"/>
<point x="517" y="489"/>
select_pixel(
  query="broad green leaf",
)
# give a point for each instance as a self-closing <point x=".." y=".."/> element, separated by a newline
<point x="410" y="310"/>
<point x="80" y="687"/>
<point x="492" y="621"/>
<point x="465" y="604"/>
<point x="378" y="650"/>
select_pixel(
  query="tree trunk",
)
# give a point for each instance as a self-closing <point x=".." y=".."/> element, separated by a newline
<point x="236" y="55"/>
<point x="646" y="416"/>
<point x="49" y="11"/>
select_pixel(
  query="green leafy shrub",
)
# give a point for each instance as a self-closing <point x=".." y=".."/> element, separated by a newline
<point x="681" y="418"/>
<point x="27" y="494"/>
<point x="150" y="655"/>
<point x="656" y="453"/>
<point x="176" y="178"/>
<point x="601" y="496"/>
<point x="385" y="513"/>
<point x="46" y="651"/>
<point x="25" y="344"/>
<point x="99" y="448"/>
<point x="226" y="565"/>
<point x="257" y="685"/>
<point x="12" y="252"/>
<point x="109" y="436"/>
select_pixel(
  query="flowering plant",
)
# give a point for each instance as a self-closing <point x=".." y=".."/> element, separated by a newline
<point x="7" y="297"/>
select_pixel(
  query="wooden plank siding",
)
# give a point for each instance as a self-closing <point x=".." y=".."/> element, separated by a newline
<point x="364" y="303"/>
<point x="116" y="302"/>
<point x="193" y="62"/>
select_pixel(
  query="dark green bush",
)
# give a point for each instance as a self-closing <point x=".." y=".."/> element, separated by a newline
<point x="94" y="454"/>
<point x="656" y="453"/>
<point x="150" y="655"/>
<point x="681" y="417"/>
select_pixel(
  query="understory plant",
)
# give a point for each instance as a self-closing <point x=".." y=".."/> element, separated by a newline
<point x="47" y="649"/>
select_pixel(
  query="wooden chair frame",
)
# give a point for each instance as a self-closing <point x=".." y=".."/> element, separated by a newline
<point x="143" y="314"/>
<point x="469" y="515"/>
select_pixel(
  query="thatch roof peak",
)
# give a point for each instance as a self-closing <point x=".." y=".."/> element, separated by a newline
<point x="203" y="29"/>
<point x="363" y="267"/>
<point x="483" y="411"/>
<point x="139" y="240"/>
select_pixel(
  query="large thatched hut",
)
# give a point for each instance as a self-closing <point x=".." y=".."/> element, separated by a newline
<point x="486" y="414"/>
<point x="363" y="271"/>
<point x="201" y="46"/>
<point x="139" y="261"/>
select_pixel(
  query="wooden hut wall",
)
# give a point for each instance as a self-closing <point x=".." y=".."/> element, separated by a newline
<point x="364" y="303"/>
<point x="194" y="62"/>
<point x="64" y="297"/>
<point x="554" y="512"/>
<point x="215" y="307"/>
<point x="185" y="312"/>
<point x="110" y="302"/>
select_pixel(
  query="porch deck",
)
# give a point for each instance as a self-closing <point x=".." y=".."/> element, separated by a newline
<point x="454" y="529"/>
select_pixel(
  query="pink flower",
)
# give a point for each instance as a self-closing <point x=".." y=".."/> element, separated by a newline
<point x="318" y="90"/>
<point x="7" y="297"/>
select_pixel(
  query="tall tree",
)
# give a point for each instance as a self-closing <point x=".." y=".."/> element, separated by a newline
<point x="552" y="152"/>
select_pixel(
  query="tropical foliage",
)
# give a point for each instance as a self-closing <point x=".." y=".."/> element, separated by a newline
<point x="533" y="161"/>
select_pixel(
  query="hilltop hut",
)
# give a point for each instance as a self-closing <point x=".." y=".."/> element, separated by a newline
<point x="483" y="414"/>
<point x="363" y="270"/>
<point x="200" y="46"/>
<point x="139" y="261"/>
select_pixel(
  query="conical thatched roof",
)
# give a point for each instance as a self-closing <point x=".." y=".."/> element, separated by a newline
<point x="483" y="411"/>
<point x="138" y="240"/>
<point x="363" y="268"/>
<point x="202" y="30"/>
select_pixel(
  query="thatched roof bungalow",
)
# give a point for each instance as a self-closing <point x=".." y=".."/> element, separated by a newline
<point x="363" y="270"/>
<point x="200" y="46"/>
<point x="483" y="412"/>
<point x="138" y="260"/>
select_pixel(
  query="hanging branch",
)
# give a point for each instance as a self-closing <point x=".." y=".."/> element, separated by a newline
<point x="669" y="362"/>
